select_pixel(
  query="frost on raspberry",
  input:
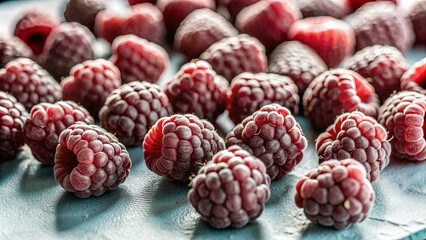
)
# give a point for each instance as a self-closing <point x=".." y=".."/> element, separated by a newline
<point x="13" y="48"/>
<point x="415" y="78"/>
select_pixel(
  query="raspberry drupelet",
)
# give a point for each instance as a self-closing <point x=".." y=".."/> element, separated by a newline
<point x="417" y="16"/>
<point x="13" y="48"/>
<point x="332" y="8"/>
<point x="90" y="161"/>
<point x="415" y="78"/>
<point x="84" y="11"/>
<point x="176" y="147"/>
<point x="231" y="190"/>
<point x="337" y="194"/>
<point x="272" y="135"/>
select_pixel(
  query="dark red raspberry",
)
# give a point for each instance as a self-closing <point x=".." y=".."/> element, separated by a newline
<point x="68" y="45"/>
<point x="34" y="27"/>
<point x="134" y="2"/>
<point x="89" y="161"/>
<point x="231" y="190"/>
<point x="12" y="117"/>
<point x="415" y="78"/>
<point x="178" y="146"/>
<point x="233" y="7"/>
<point x="250" y="92"/>
<point x="90" y="83"/>
<point x="316" y="8"/>
<point x="403" y="115"/>
<point x="201" y="29"/>
<point x="273" y="135"/>
<point x="331" y="38"/>
<point x="382" y="66"/>
<point x="358" y="3"/>
<point x="13" y="48"/>
<point x="297" y="61"/>
<point x="343" y="197"/>
<point x="234" y="55"/>
<point x="335" y="92"/>
<point x="138" y="59"/>
<point x="131" y="110"/>
<point x="198" y="90"/>
<point x="45" y="124"/>
<point x="29" y="83"/>
<point x="417" y="17"/>
<point x="84" y="12"/>
<point x="268" y="21"/>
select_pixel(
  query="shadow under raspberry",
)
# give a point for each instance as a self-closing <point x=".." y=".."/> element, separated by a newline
<point x="37" y="177"/>
<point x="252" y="230"/>
<point x="9" y="167"/>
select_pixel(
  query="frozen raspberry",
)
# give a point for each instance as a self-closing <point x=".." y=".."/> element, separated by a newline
<point x="380" y="23"/>
<point x="90" y="83"/>
<point x="83" y="11"/>
<point x="297" y="61"/>
<point x="233" y="7"/>
<point x="34" y="27"/>
<point x="108" y="26"/>
<point x="382" y="66"/>
<point x="316" y="8"/>
<point x="417" y="17"/>
<point x="415" y="78"/>
<point x="29" y="83"/>
<point x="68" y="45"/>
<point x="231" y="190"/>
<point x="273" y="135"/>
<point x="12" y="117"/>
<point x="234" y="55"/>
<point x="178" y="146"/>
<point x="201" y="29"/>
<point x="358" y="3"/>
<point x="343" y="197"/>
<point x="335" y="92"/>
<point x="249" y="92"/>
<point x="89" y="161"/>
<point x="134" y="2"/>
<point x="268" y="21"/>
<point x="138" y="59"/>
<point x="131" y="110"/>
<point x="403" y="115"/>
<point x="45" y="124"/>
<point x="13" y="48"/>
<point x="331" y="38"/>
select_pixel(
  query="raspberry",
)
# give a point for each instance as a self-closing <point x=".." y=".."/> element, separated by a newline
<point x="45" y="124"/>
<point x="131" y="110"/>
<point x="138" y="59"/>
<point x="29" y="83"/>
<point x="201" y="29"/>
<point x="231" y="190"/>
<point x="415" y="78"/>
<point x="12" y="117"/>
<point x="234" y="55"/>
<point x="197" y="89"/>
<point x="176" y="147"/>
<point x="83" y="12"/>
<point x="90" y="83"/>
<point x="108" y="26"/>
<point x="268" y="21"/>
<point x="233" y="7"/>
<point x="358" y="3"/>
<point x="134" y="2"/>
<point x="316" y="8"/>
<point x="297" y="61"/>
<point x="342" y="198"/>
<point x="382" y="66"/>
<point x="273" y="135"/>
<point x="68" y="45"/>
<point x="335" y="92"/>
<point x="13" y="48"/>
<point x="249" y="92"/>
<point x="403" y="115"/>
<point x="34" y="27"/>
<point x="331" y="38"/>
<point x="417" y="17"/>
<point x="89" y="161"/>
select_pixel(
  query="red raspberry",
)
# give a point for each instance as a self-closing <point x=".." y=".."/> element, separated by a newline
<point x="12" y="117"/>
<point x="108" y="26"/>
<point x="417" y="17"/>
<point x="90" y="83"/>
<point x="68" y="45"/>
<point x="131" y="110"/>
<point x="201" y="29"/>
<point x="13" y="48"/>
<point x="316" y="8"/>
<point x="34" y="27"/>
<point x="268" y="21"/>
<point x="415" y="78"/>
<point x="403" y="115"/>
<point x="335" y="92"/>
<point x="178" y="146"/>
<point x="273" y="135"/>
<point x="233" y="7"/>
<point x="197" y="89"/>
<point x="342" y="198"/>
<point x="297" y="61"/>
<point x="29" y="83"/>
<point x="134" y="2"/>
<point x="331" y="38"/>
<point x="234" y="55"/>
<point x="231" y="190"/>
<point x="382" y="66"/>
<point x="358" y="3"/>
<point x="45" y="124"/>
<point x="84" y="12"/>
<point x="249" y="92"/>
<point x="138" y="59"/>
<point x="89" y="161"/>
